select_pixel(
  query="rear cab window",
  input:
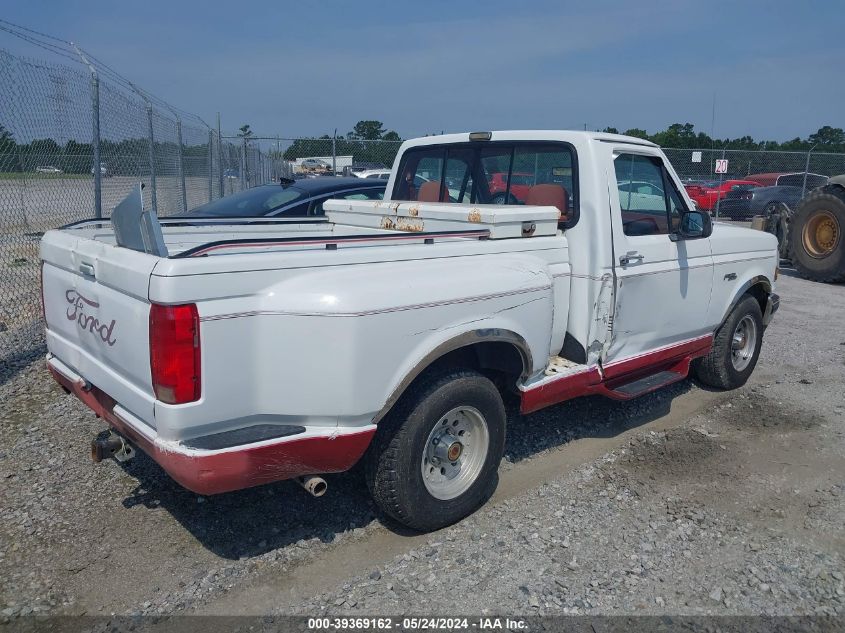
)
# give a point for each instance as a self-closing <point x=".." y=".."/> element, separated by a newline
<point x="492" y="172"/>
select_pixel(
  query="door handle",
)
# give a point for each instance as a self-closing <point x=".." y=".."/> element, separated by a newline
<point x="629" y="257"/>
<point x="86" y="269"/>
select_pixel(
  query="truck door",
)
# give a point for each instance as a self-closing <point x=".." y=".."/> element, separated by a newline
<point x="662" y="286"/>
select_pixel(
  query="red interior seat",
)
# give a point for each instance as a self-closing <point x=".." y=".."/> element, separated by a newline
<point x="549" y="195"/>
<point x="429" y="191"/>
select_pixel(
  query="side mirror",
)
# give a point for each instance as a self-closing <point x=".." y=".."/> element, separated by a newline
<point x="693" y="225"/>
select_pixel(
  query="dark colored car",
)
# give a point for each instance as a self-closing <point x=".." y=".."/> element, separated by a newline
<point x="293" y="198"/>
<point x="786" y="188"/>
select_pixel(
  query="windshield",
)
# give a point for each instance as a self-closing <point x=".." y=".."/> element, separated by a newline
<point x="253" y="202"/>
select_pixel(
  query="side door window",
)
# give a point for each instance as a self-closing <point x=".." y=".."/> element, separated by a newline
<point x="642" y="195"/>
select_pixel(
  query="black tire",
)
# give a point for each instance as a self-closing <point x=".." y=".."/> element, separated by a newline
<point x="393" y="464"/>
<point x="819" y="266"/>
<point x="717" y="369"/>
<point x="777" y="215"/>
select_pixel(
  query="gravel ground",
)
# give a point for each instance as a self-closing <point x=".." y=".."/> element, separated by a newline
<point x="681" y="502"/>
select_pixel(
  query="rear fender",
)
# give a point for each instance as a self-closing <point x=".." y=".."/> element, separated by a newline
<point x="465" y="340"/>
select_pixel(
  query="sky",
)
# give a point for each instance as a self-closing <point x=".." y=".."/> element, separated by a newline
<point x="777" y="69"/>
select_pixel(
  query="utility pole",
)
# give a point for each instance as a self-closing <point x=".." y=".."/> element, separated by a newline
<point x="806" y="169"/>
<point x="95" y="136"/>
<point x="712" y="131"/>
<point x="220" y="174"/>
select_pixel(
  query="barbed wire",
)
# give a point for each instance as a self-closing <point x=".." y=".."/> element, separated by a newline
<point x="71" y="50"/>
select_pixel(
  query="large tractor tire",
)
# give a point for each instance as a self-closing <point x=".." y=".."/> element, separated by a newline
<point x="817" y="235"/>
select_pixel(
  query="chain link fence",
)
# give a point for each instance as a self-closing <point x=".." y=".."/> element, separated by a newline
<point x="793" y="173"/>
<point x="75" y="138"/>
<point x="339" y="156"/>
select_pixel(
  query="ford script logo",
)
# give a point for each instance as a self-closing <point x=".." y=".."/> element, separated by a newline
<point x="77" y="312"/>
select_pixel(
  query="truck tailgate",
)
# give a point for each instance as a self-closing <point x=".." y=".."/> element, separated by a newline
<point x="97" y="311"/>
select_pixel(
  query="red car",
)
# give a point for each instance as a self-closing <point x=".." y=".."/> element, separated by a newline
<point x="520" y="184"/>
<point x="705" y="194"/>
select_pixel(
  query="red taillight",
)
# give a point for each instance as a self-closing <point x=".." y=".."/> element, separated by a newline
<point x="175" y="352"/>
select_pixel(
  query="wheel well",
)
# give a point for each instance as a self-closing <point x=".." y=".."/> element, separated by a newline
<point x="502" y="362"/>
<point x="760" y="291"/>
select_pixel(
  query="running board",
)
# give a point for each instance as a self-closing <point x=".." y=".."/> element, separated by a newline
<point x="644" y="385"/>
<point x="621" y="380"/>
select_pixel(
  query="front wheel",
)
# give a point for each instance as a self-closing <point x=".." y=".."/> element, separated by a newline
<point x="435" y="456"/>
<point x="736" y="348"/>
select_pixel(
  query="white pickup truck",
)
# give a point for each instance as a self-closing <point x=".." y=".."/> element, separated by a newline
<point x="245" y="352"/>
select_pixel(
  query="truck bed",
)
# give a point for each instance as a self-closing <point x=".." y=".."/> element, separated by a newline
<point x="349" y="223"/>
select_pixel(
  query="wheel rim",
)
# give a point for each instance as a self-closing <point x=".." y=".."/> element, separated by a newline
<point x="744" y="343"/>
<point x="821" y="234"/>
<point x="455" y="452"/>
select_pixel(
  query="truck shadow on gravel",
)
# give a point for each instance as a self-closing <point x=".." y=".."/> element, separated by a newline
<point x="252" y="522"/>
<point x="588" y="417"/>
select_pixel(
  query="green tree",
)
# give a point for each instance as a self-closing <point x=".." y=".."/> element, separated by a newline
<point x="8" y="151"/>
<point x="676" y="135"/>
<point x="245" y="131"/>
<point x="636" y="132"/>
<point x="828" y="137"/>
<point x="391" y="136"/>
<point x="367" y="130"/>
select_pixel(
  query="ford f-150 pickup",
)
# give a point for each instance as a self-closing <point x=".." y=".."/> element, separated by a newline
<point x="240" y="352"/>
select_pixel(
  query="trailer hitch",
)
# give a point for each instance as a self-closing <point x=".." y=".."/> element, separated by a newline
<point x="114" y="445"/>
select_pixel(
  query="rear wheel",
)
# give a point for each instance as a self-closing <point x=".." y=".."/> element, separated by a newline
<point x="816" y="240"/>
<point x="435" y="456"/>
<point x="736" y="348"/>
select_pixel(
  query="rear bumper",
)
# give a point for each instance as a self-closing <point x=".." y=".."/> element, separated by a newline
<point x="233" y="468"/>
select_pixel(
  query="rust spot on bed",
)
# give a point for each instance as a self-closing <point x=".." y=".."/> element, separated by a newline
<point x="414" y="211"/>
<point x="407" y="224"/>
<point x="401" y="223"/>
<point x="474" y="216"/>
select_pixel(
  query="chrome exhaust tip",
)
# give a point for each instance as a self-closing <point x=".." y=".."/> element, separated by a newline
<point x="315" y="486"/>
